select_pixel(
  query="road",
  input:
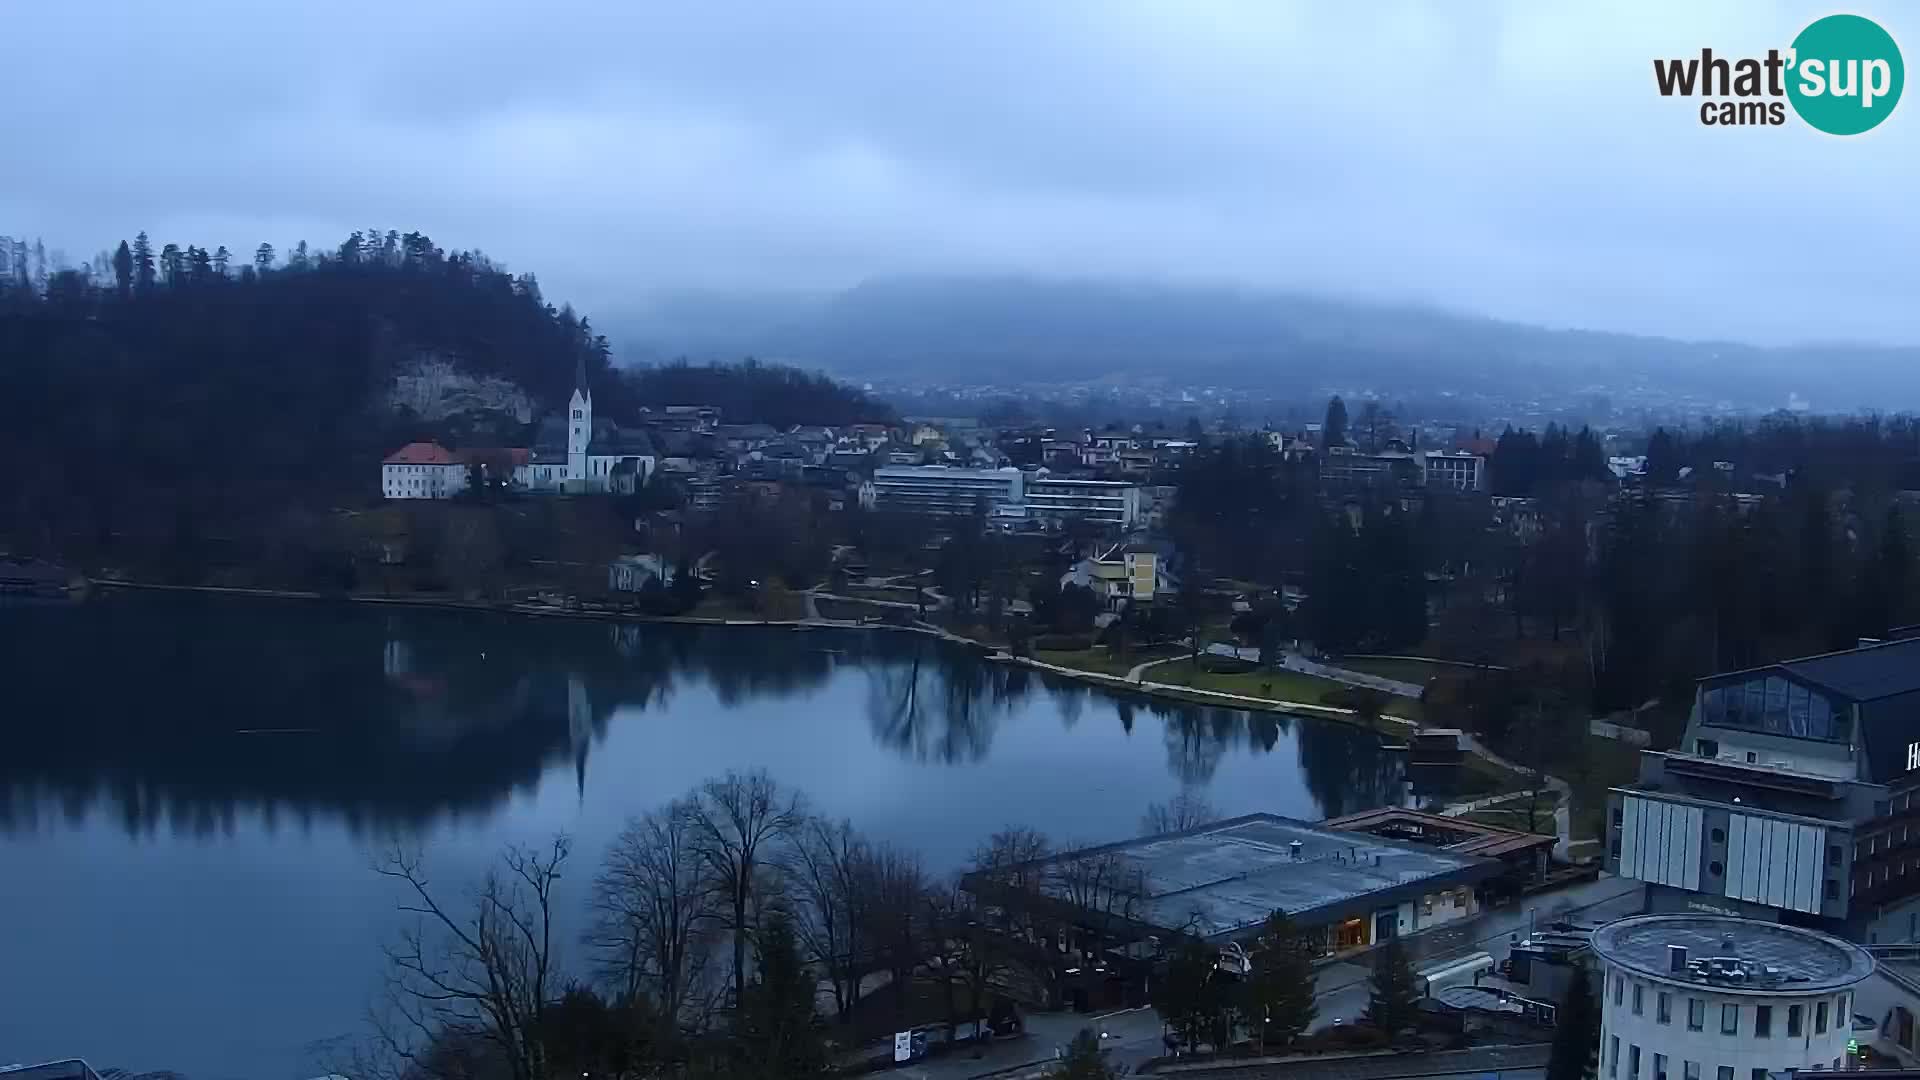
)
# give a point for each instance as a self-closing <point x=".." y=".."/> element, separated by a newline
<point x="1340" y="989"/>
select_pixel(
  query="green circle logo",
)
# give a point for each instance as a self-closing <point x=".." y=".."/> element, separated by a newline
<point x="1845" y="74"/>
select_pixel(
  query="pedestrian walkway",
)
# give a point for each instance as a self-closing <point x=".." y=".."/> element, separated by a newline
<point x="1528" y="1060"/>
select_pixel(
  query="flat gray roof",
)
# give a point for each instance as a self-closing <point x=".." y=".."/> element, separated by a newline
<point x="1226" y="878"/>
<point x="1807" y="961"/>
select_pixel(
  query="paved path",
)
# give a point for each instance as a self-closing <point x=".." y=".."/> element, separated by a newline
<point x="1506" y="1061"/>
<point x="1291" y="660"/>
<point x="1138" y="671"/>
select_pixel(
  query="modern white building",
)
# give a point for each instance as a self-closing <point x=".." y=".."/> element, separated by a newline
<point x="1108" y="502"/>
<point x="937" y="489"/>
<point x="1455" y="470"/>
<point x="1708" y="997"/>
<point x="422" y="470"/>
<point x="1794" y="793"/>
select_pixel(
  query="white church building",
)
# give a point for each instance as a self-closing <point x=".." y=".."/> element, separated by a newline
<point x="574" y="453"/>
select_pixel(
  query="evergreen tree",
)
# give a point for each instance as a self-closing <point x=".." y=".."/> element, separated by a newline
<point x="1663" y="458"/>
<point x="1334" y="431"/>
<point x="1189" y="997"/>
<point x="123" y="269"/>
<point x="1576" y="1034"/>
<point x="1277" y="998"/>
<point x="263" y="258"/>
<point x="172" y="265"/>
<point x="1394" y="999"/>
<point x="142" y="262"/>
<point x="1084" y="1060"/>
<point x="778" y="1034"/>
<point x="221" y="257"/>
<point x="299" y="260"/>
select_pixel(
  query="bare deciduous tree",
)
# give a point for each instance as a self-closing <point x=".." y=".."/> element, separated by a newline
<point x="737" y="821"/>
<point x="971" y="956"/>
<point x="653" y="904"/>
<point x="896" y="887"/>
<point x="830" y="873"/>
<point x="1104" y="888"/>
<point x="1184" y="811"/>
<point x="478" y="976"/>
<point x="1008" y="867"/>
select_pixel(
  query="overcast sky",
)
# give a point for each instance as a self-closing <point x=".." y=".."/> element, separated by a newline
<point x="1507" y="159"/>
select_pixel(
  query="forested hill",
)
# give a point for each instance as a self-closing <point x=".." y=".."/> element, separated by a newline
<point x="753" y="392"/>
<point x="175" y="390"/>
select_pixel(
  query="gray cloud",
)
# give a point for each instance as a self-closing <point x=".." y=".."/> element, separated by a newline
<point x="1511" y="159"/>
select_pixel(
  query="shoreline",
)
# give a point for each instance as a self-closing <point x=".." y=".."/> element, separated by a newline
<point x="1385" y="728"/>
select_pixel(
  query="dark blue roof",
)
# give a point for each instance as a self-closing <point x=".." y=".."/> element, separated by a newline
<point x="1864" y="674"/>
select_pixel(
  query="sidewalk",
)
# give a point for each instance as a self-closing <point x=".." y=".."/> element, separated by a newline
<point x="1132" y="1034"/>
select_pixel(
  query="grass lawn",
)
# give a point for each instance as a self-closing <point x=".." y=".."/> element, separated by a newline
<point x="1102" y="660"/>
<point x="1603" y="763"/>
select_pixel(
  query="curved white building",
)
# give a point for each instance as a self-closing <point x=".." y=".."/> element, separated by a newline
<point x="1708" y="997"/>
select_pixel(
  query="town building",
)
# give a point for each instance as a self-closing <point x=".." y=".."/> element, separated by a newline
<point x="1136" y="572"/>
<point x="422" y="470"/>
<point x="1708" y="997"/>
<point x="1525" y="856"/>
<point x="1107" y="502"/>
<point x="630" y="573"/>
<point x="579" y="454"/>
<point x="1220" y="882"/>
<point x="1455" y="470"/>
<point x="937" y="489"/>
<point x="1345" y="466"/>
<point x="1794" y="795"/>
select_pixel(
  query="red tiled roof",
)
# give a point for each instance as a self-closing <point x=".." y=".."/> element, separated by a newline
<point x="422" y="453"/>
<point x="514" y="454"/>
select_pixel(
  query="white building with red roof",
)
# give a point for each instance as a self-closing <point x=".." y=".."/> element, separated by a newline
<point x="422" y="470"/>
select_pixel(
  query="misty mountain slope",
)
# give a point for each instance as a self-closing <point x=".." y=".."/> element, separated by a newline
<point x="1004" y="330"/>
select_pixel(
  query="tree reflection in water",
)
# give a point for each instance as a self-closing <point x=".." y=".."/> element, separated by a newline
<point x="183" y="712"/>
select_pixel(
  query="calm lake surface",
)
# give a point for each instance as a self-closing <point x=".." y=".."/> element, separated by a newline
<point x="192" y="788"/>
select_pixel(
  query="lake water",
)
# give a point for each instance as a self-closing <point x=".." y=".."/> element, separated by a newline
<point x="192" y="788"/>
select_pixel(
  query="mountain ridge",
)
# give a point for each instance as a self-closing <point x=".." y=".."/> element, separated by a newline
<point x="1007" y="329"/>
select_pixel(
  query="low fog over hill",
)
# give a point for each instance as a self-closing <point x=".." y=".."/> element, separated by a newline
<point x="1029" y="331"/>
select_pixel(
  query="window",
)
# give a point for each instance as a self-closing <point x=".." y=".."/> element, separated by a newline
<point x="1833" y="889"/>
<point x="1696" y="1014"/>
<point x="1638" y="997"/>
<point x="1659" y="1064"/>
<point x="1711" y="748"/>
<point x="1726" y="1072"/>
<point x="1794" y="1021"/>
<point x="1715" y="869"/>
<point x="1763" y="1021"/>
<point x="1613" y="1056"/>
<point x="1759" y="1074"/>
<point x="1663" y="1008"/>
<point x="1833" y="854"/>
<point x="1619" y="988"/>
<point x="1754" y="759"/>
<point x="1729" y="1021"/>
<point x="1719" y="836"/>
<point x="1820" y="1017"/>
<point x="1690" y="1070"/>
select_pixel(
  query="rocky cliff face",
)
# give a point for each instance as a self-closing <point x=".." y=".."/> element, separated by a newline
<point x="433" y="387"/>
